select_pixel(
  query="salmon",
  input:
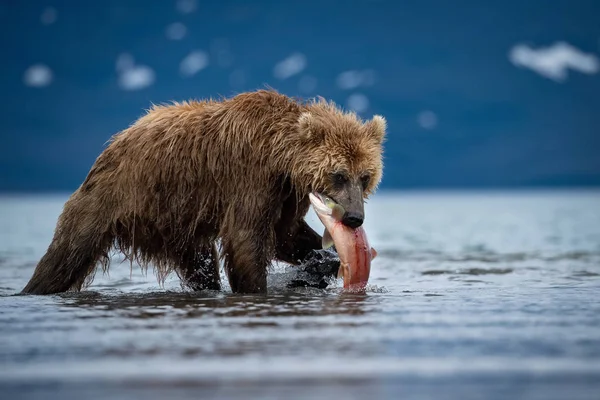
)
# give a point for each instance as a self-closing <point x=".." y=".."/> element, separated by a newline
<point x="352" y="245"/>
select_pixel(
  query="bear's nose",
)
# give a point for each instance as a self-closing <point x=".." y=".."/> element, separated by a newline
<point x="352" y="219"/>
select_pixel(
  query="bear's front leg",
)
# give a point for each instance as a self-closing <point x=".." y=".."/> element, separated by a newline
<point x="246" y="260"/>
<point x="295" y="242"/>
<point x="199" y="268"/>
<point x="248" y="243"/>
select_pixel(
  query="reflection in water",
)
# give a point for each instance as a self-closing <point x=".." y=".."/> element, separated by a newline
<point x="284" y="304"/>
<point x="301" y="322"/>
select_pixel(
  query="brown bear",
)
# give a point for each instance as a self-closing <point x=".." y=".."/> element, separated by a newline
<point x="187" y="175"/>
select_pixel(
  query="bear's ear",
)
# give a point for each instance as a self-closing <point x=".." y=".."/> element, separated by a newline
<point x="376" y="128"/>
<point x="309" y="128"/>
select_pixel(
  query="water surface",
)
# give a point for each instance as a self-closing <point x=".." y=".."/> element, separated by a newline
<point x="473" y="295"/>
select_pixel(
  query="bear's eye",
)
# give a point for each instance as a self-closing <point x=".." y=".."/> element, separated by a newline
<point x="365" y="179"/>
<point x="339" y="179"/>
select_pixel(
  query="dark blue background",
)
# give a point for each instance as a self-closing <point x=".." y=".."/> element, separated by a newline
<point x="498" y="125"/>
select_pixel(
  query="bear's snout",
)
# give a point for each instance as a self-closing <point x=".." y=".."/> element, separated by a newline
<point x="353" y="219"/>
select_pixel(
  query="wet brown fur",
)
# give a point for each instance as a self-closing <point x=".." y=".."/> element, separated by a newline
<point x="187" y="175"/>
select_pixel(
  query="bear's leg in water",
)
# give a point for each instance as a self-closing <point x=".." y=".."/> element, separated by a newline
<point x="76" y="248"/>
<point x="246" y="262"/>
<point x="199" y="268"/>
<point x="248" y="244"/>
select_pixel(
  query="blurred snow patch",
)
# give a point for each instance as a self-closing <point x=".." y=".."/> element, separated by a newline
<point x="124" y="61"/>
<point x="427" y="119"/>
<point x="176" y="31"/>
<point x="38" y="75"/>
<point x="554" y="61"/>
<point x="136" y="77"/>
<point x="237" y="78"/>
<point x="358" y="102"/>
<point x="354" y="78"/>
<point x="49" y="16"/>
<point x="186" y="6"/>
<point x="307" y="84"/>
<point x="291" y="66"/>
<point x="194" y="62"/>
<point x="131" y="76"/>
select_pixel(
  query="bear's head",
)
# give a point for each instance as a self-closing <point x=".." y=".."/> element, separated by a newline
<point x="341" y="157"/>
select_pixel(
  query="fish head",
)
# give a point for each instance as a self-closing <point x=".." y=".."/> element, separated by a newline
<point x="330" y="213"/>
<point x="326" y="207"/>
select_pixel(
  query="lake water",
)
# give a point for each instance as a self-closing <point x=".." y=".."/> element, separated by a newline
<point x="473" y="295"/>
